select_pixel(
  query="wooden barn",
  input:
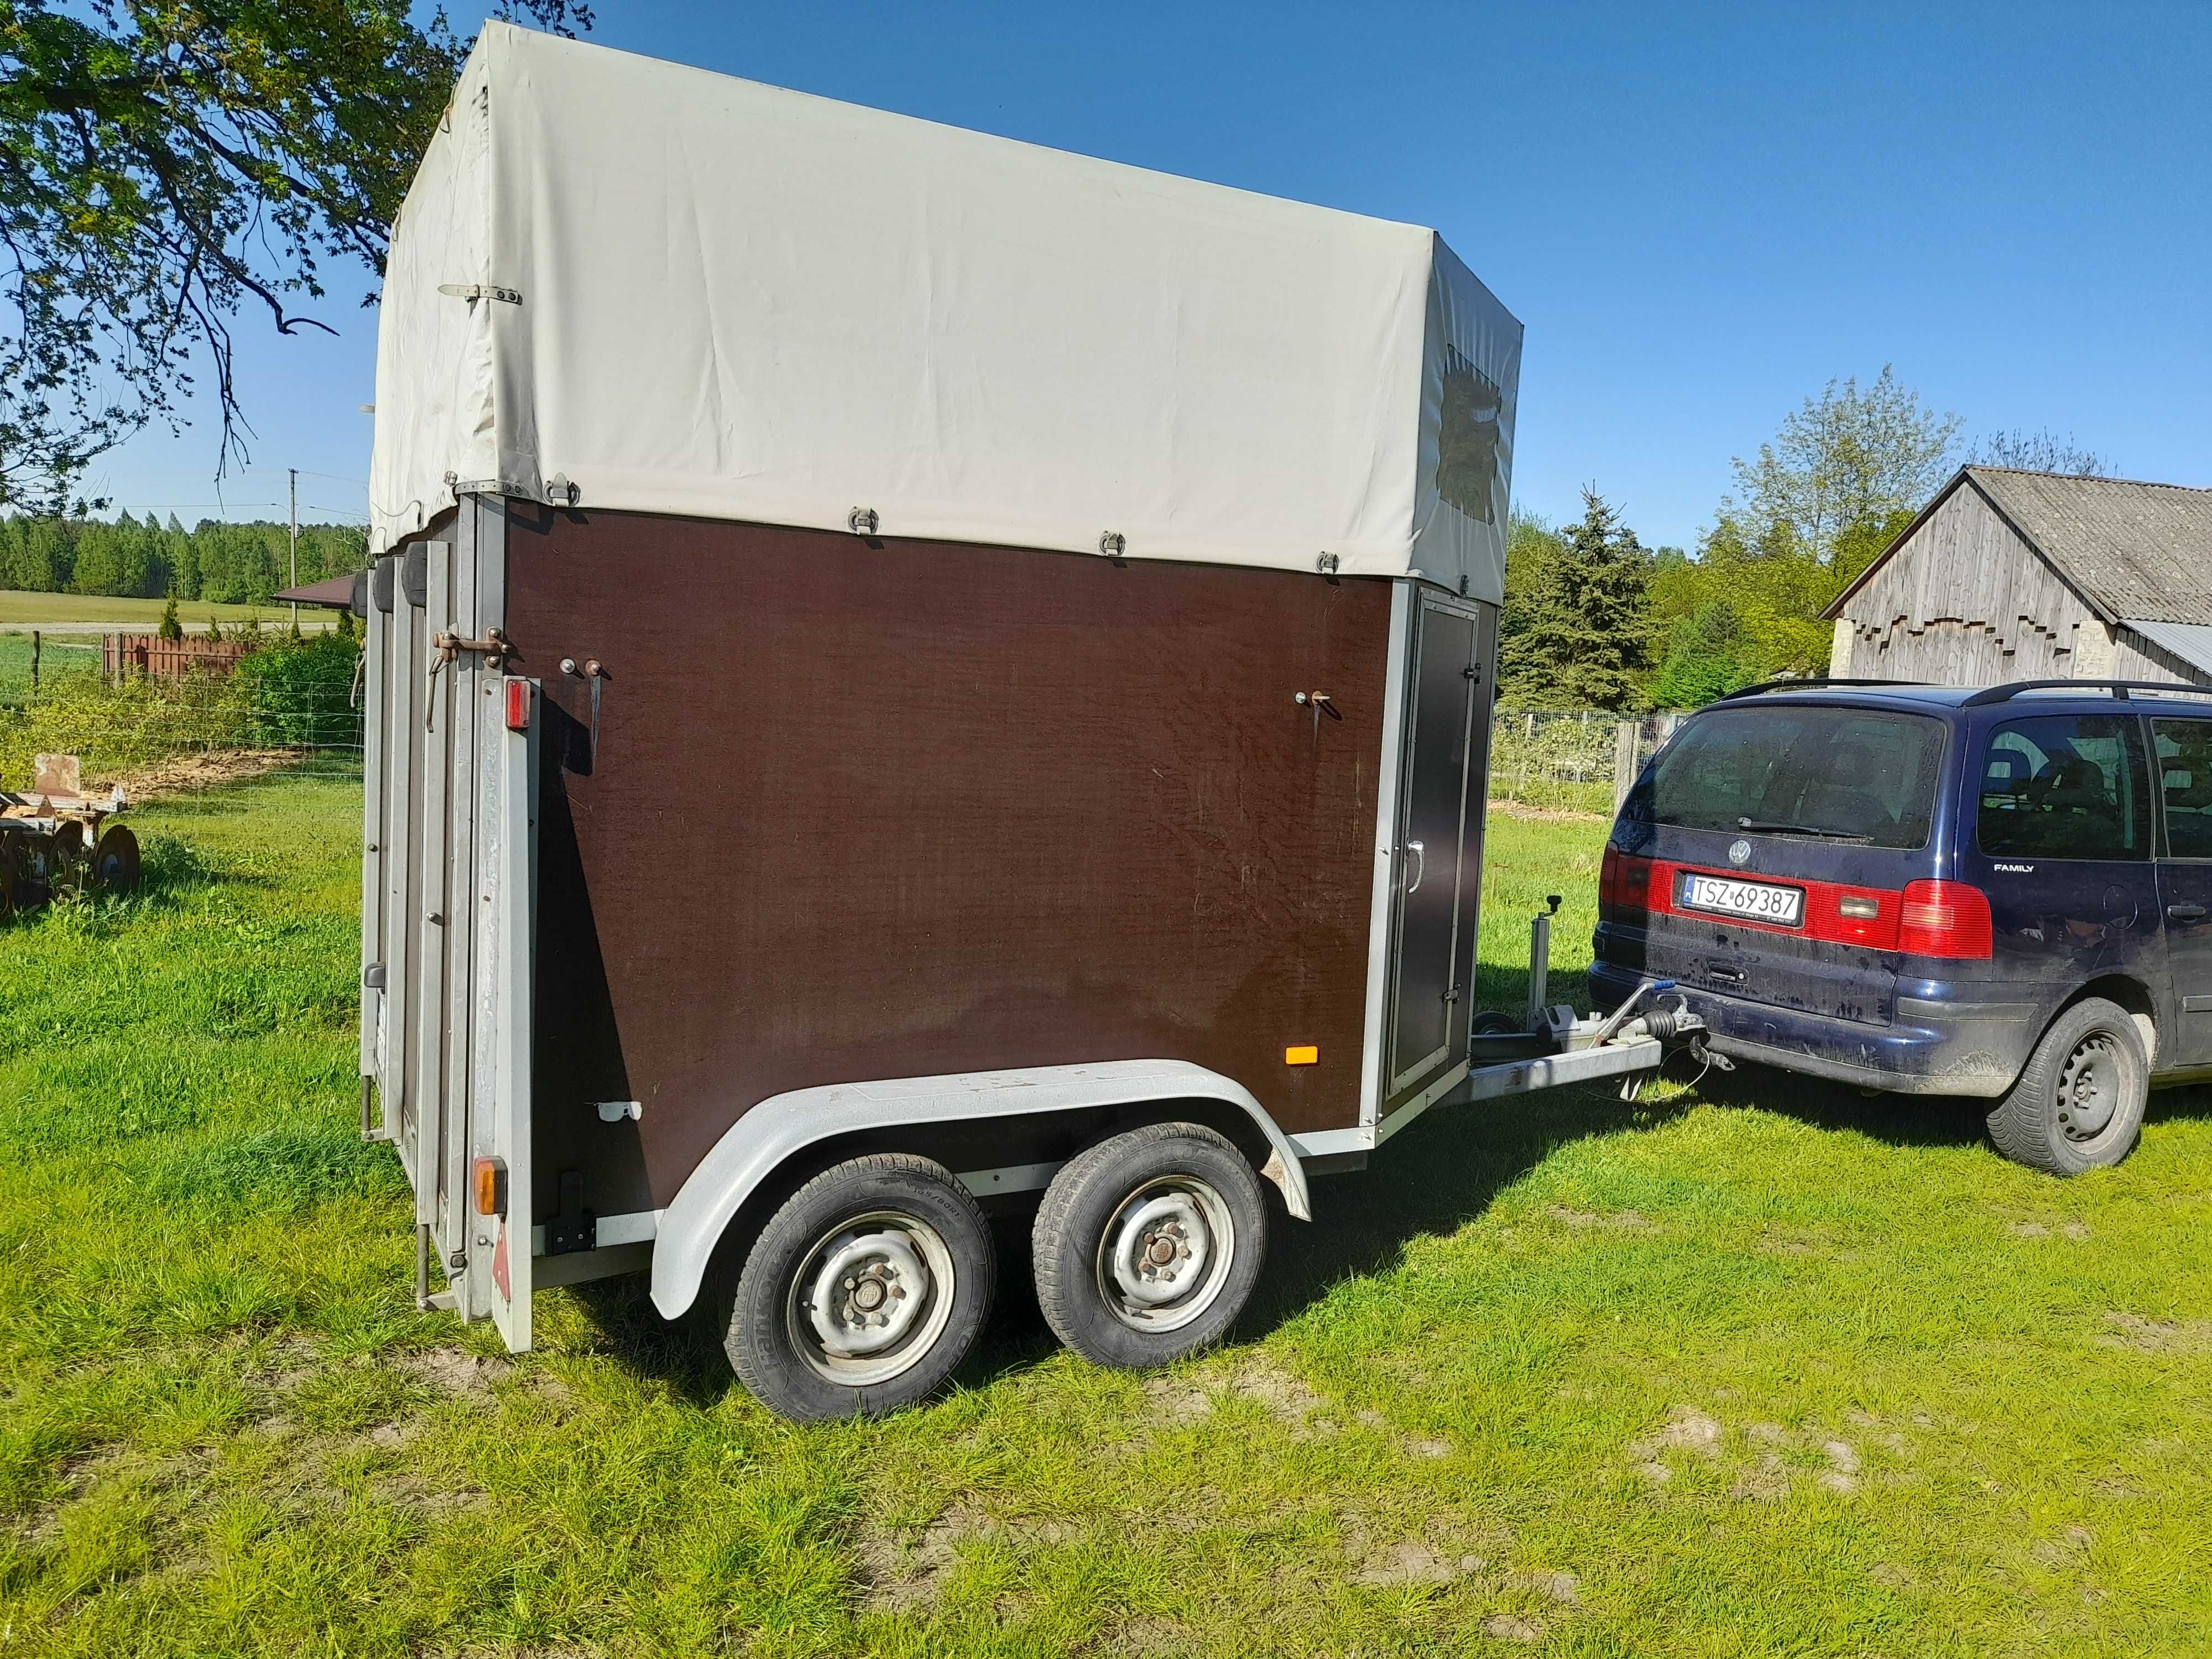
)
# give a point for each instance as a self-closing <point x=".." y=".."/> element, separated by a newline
<point x="2009" y="575"/>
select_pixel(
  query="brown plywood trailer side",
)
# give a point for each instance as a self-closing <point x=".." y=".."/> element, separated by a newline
<point x="1104" y="843"/>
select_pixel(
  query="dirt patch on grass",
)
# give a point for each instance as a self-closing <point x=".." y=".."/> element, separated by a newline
<point x="1514" y="809"/>
<point x="1413" y="1561"/>
<point x="1511" y="1627"/>
<point x="188" y="774"/>
<point x="2157" y="1335"/>
<point x="901" y="1571"/>
<point x="2045" y="1230"/>
<point x="453" y="1369"/>
<point x="1626" y="1221"/>
<point x="1172" y="1401"/>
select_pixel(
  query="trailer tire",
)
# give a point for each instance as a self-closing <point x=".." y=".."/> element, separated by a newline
<point x="1121" y="1226"/>
<point x="863" y="1292"/>
<point x="2079" y="1102"/>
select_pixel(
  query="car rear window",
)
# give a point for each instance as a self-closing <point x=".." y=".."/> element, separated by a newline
<point x="2064" y="787"/>
<point x="1862" y="776"/>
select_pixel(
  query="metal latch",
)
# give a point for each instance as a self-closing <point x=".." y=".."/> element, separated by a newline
<point x="495" y="646"/>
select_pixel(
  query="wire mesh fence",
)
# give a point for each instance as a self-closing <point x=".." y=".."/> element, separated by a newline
<point x="292" y="704"/>
<point x="1570" y="760"/>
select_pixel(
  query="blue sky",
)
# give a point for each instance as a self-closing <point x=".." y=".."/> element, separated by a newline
<point x="1702" y="213"/>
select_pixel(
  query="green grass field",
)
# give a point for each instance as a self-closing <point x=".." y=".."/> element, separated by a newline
<point x="38" y="610"/>
<point x="59" y="654"/>
<point x="1757" y="1368"/>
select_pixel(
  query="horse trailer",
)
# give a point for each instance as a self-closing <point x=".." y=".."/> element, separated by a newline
<point x="915" y="680"/>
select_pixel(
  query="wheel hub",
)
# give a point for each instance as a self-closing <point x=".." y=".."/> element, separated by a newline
<point x="1161" y="1248"/>
<point x="866" y="1293"/>
<point x="2088" y="1088"/>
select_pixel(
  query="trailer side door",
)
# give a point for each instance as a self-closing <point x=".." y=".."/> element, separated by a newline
<point x="1427" y="993"/>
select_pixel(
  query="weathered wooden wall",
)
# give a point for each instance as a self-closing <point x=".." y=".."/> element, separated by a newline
<point x="1966" y="601"/>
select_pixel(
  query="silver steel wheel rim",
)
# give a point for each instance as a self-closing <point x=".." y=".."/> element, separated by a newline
<point x="870" y="1299"/>
<point x="1166" y="1253"/>
<point x="2089" y="1086"/>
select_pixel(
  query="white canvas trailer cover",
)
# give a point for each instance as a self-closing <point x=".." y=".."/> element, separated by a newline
<point x="644" y="287"/>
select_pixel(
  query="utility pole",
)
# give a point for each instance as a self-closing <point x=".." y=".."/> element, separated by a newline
<point x="294" y="471"/>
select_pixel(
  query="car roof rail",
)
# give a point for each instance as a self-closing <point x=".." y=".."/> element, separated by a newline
<point x="2118" y="688"/>
<point x="1803" y="685"/>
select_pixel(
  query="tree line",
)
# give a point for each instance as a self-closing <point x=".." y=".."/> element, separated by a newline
<point x="1594" y="619"/>
<point x="214" y="561"/>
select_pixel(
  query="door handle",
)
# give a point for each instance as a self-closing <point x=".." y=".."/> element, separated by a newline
<point x="1420" y="866"/>
<point x="2185" y="912"/>
<point x="1731" y="976"/>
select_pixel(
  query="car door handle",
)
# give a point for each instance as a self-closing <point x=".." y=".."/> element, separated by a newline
<point x="1420" y="866"/>
<point x="2185" y="912"/>
<point x="1730" y="975"/>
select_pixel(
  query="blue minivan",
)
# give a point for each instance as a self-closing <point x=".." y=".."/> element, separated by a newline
<point x="2002" y="893"/>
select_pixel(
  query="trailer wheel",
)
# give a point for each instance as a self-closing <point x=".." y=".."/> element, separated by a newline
<point x="1148" y="1244"/>
<point x="115" y="862"/>
<point x="863" y="1292"/>
<point x="2079" y="1102"/>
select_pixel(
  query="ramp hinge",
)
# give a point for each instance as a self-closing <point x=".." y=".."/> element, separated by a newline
<point x="474" y="291"/>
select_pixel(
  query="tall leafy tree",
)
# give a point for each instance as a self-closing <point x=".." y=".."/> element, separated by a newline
<point x="1585" y="639"/>
<point x="1843" y="459"/>
<point x="167" y="164"/>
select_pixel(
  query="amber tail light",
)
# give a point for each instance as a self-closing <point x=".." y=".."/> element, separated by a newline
<point x="489" y="1177"/>
<point x="1946" y="919"/>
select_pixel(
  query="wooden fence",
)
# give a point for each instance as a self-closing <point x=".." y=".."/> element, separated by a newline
<point x="166" y="659"/>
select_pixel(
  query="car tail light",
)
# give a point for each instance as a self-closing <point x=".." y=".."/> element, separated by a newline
<point x="488" y="1177"/>
<point x="1624" y="883"/>
<point x="1945" y="918"/>
<point x="518" y="705"/>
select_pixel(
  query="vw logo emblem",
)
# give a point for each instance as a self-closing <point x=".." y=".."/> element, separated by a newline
<point x="1740" y="852"/>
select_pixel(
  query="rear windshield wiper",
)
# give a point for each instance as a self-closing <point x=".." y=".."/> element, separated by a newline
<point x="1760" y="826"/>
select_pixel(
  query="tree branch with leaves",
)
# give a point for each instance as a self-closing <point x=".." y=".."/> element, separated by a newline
<point x="164" y="166"/>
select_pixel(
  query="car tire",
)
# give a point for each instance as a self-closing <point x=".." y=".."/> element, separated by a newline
<point x="2079" y="1102"/>
<point x="1148" y="1245"/>
<point x="863" y="1292"/>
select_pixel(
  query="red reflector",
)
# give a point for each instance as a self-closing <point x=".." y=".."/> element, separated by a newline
<point x="518" y="705"/>
<point x="1946" y="919"/>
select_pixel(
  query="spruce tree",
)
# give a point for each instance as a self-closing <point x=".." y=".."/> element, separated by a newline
<point x="170" y="627"/>
<point x="1586" y="642"/>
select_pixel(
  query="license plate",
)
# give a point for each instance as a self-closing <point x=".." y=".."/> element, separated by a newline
<point x="1754" y="901"/>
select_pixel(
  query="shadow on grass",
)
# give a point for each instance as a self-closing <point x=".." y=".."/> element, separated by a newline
<point x="1442" y="1173"/>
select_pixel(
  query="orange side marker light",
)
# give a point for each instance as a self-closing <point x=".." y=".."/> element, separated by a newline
<point x="1301" y="1054"/>
<point x="488" y="1176"/>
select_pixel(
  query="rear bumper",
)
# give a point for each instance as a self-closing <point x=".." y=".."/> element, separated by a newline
<point x="1936" y="1044"/>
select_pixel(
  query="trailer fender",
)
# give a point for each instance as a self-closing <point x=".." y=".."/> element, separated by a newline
<point x="757" y="1143"/>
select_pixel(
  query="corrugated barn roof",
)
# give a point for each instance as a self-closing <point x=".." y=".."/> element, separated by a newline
<point x="2136" y="549"/>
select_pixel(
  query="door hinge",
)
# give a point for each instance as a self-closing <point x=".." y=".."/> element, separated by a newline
<point x="574" y="1228"/>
